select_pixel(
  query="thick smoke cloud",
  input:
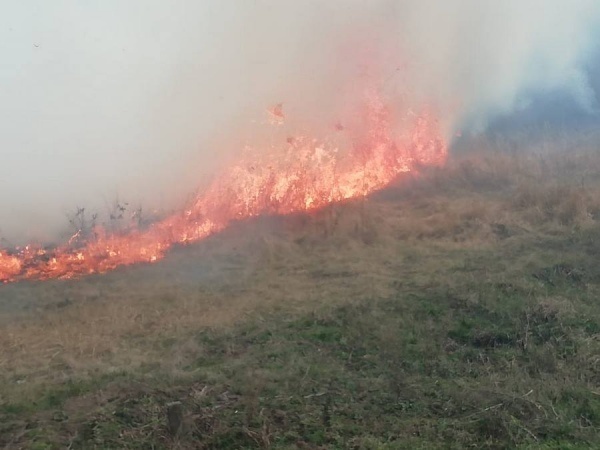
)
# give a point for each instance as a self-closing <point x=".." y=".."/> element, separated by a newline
<point x="144" y="99"/>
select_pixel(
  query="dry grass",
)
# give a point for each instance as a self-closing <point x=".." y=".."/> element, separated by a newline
<point x="491" y="215"/>
<point x="95" y="324"/>
<point x="98" y="324"/>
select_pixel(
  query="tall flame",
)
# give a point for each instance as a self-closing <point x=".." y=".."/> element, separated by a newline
<point x="303" y="174"/>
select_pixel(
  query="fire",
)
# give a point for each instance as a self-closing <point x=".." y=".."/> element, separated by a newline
<point x="276" y="116"/>
<point x="303" y="174"/>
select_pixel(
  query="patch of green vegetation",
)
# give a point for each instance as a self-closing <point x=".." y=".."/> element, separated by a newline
<point x="492" y="346"/>
<point x="14" y="408"/>
<point x="374" y="374"/>
<point x="55" y="398"/>
<point x="416" y="370"/>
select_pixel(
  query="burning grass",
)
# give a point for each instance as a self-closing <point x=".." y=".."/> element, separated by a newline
<point x="453" y="310"/>
<point x="300" y="174"/>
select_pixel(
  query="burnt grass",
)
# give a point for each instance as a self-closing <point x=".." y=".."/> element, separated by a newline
<point x="497" y="349"/>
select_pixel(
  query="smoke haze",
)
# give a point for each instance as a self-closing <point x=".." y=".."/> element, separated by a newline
<point x="144" y="99"/>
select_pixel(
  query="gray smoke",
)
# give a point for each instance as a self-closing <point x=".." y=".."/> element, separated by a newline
<point x="494" y="57"/>
<point x="144" y="99"/>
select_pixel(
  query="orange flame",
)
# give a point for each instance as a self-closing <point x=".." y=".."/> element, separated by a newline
<point x="303" y="175"/>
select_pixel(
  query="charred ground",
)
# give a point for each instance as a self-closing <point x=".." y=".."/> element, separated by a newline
<point x="456" y="310"/>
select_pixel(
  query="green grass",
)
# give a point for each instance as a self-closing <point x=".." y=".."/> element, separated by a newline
<point x="476" y="330"/>
<point x="485" y="364"/>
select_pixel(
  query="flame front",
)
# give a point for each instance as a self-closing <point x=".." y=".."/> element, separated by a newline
<point x="303" y="174"/>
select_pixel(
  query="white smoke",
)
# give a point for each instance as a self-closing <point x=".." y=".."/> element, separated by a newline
<point x="143" y="98"/>
<point x="489" y="56"/>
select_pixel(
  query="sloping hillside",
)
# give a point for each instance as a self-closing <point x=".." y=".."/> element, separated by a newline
<point x="459" y="309"/>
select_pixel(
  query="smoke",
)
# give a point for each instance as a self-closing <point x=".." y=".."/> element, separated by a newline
<point x="145" y="99"/>
<point x="493" y="58"/>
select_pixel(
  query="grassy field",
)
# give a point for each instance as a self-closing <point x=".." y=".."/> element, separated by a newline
<point x="457" y="310"/>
